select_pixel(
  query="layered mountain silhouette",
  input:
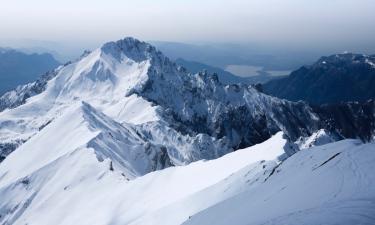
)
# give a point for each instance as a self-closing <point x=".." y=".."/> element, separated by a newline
<point x="18" y="68"/>
<point x="333" y="79"/>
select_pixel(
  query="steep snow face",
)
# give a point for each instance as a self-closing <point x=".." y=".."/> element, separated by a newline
<point x="100" y="74"/>
<point x="82" y="126"/>
<point x="255" y="185"/>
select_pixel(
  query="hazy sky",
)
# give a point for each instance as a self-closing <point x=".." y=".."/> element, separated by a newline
<point x="310" y="23"/>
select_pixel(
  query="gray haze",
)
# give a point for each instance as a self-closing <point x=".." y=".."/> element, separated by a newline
<point x="333" y="25"/>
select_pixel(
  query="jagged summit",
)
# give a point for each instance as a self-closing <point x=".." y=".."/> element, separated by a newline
<point x="133" y="49"/>
<point x="121" y="67"/>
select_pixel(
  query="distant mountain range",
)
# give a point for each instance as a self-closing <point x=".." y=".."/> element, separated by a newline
<point x="333" y="79"/>
<point x="18" y="68"/>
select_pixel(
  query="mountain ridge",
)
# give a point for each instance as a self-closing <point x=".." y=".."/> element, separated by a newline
<point x="207" y="118"/>
<point x="332" y="79"/>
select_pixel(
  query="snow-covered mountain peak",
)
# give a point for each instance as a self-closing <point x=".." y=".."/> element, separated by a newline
<point x="126" y="44"/>
<point x="103" y="76"/>
<point x="190" y="116"/>
<point x="115" y="70"/>
<point x="132" y="48"/>
<point x="131" y="82"/>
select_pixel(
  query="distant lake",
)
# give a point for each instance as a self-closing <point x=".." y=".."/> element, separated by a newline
<point x="250" y="71"/>
<point x="244" y="70"/>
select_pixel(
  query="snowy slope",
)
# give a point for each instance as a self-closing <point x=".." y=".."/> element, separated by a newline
<point x="82" y="126"/>
<point x="97" y="78"/>
<point x="66" y="186"/>
<point x="329" y="184"/>
<point x="249" y="186"/>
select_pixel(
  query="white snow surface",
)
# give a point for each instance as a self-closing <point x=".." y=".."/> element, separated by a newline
<point x="68" y="183"/>
<point x="328" y="184"/>
<point x="109" y="139"/>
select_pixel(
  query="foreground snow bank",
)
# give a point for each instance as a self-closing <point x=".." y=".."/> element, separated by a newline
<point x="328" y="184"/>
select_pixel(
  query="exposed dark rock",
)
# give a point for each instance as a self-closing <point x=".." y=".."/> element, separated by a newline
<point x="333" y="79"/>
